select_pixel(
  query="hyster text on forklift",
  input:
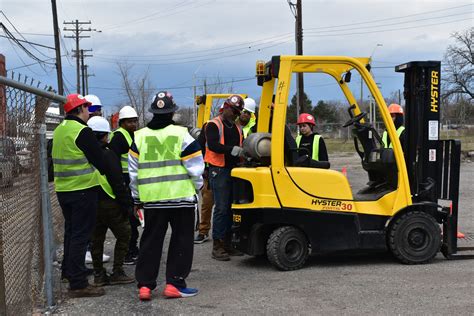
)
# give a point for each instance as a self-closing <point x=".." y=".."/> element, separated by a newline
<point x="286" y="207"/>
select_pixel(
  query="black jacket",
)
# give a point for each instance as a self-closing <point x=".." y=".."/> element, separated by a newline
<point x="113" y="173"/>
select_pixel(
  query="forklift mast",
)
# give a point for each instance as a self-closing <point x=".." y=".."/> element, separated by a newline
<point x="422" y="115"/>
<point x="433" y="165"/>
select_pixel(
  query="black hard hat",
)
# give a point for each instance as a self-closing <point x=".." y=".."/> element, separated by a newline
<point x="163" y="103"/>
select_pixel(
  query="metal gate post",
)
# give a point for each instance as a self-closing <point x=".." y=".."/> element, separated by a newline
<point x="47" y="222"/>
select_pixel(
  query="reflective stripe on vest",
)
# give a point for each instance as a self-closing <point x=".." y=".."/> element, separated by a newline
<point x="214" y="158"/>
<point x="161" y="175"/>
<point x="124" y="157"/>
<point x="72" y="170"/>
<point x="247" y="129"/>
<point x="315" y="154"/>
<point x="385" y="136"/>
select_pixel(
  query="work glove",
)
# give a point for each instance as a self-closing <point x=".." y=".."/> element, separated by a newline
<point x="237" y="151"/>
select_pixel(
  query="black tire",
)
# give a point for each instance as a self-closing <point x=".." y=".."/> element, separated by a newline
<point x="287" y="248"/>
<point x="414" y="238"/>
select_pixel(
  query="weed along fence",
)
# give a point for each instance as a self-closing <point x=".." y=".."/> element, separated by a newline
<point x="27" y="232"/>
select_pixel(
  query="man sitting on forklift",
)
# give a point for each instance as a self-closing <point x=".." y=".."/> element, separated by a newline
<point x="396" y="111"/>
<point x="313" y="143"/>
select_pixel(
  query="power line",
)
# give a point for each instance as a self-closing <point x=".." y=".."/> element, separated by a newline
<point x="21" y="34"/>
<point x="388" y="19"/>
<point x="284" y="35"/>
<point x="156" y="15"/>
<point x="388" y="30"/>
<point x="179" y="88"/>
<point x="390" y="24"/>
<point x="31" y="43"/>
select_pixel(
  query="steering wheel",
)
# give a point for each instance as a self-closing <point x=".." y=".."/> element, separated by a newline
<point x="355" y="119"/>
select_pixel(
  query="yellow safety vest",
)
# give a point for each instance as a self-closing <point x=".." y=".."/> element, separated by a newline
<point x="161" y="174"/>
<point x="315" y="154"/>
<point x="385" y="136"/>
<point x="124" y="157"/>
<point x="72" y="170"/>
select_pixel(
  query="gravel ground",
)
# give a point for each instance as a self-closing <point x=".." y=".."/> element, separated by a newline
<point x="372" y="284"/>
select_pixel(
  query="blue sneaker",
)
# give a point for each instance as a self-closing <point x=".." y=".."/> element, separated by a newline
<point x="172" y="291"/>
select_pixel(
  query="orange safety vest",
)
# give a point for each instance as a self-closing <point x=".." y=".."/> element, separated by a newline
<point x="212" y="157"/>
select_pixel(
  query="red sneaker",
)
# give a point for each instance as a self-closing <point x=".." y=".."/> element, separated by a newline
<point x="144" y="294"/>
<point x="174" y="292"/>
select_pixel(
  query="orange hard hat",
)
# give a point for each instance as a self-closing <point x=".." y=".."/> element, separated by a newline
<point x="395" y="109"/>
<point x="73" y="101"/>
<point x="306" y="118"/>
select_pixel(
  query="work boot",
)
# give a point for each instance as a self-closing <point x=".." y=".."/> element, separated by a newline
<point x="88" y="291"/>
<point x="101" y="278"/>
<point x="119" y="277"/>
<point x="231" y="250"/>
<point x="218" y="251"/>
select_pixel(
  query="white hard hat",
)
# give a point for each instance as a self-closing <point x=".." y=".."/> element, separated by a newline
<point x="127" y="112"/>
<point x="99" y="124"/>
<point x="93" y="99"/>
<point x="250" y="105"/>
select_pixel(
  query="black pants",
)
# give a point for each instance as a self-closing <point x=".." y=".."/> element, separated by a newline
<point x="132" y="245"/>
<point x="110" y="216"/>
<point x="180" y="251"/>
<point x="79" y="211"/>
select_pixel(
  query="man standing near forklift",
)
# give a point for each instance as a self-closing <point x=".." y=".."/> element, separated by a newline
<point x="223" y="152"/>
<point x="313" y="143"/>
<point x="396" y="111"/>
<point x="247" y="119"/>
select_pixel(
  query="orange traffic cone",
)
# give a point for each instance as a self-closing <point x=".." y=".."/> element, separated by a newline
<point x="461" y="235"/>
<point x="344" y="171"/>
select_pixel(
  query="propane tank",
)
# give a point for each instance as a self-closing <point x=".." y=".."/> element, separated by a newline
<point x="258" y="145"/>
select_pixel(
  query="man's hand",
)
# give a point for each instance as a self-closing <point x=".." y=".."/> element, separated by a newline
<point x="137" y="207"/>
<point x="237" y="151"/>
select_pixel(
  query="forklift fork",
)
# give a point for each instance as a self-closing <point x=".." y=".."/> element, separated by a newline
<point x="449" y="160"/>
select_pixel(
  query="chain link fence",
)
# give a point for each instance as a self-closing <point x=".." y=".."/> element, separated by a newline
<point x="22" y="234"/>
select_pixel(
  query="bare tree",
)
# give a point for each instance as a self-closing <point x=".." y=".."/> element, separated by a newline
<point x="138" y="90"/>
<point x="215" y="85"/>
<point x="459" y="66"/>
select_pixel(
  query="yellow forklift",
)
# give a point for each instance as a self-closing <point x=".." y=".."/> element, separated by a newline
<point x="286" y="207"/>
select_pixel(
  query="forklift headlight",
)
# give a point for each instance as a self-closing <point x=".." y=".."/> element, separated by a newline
<point x="260" y="68"/>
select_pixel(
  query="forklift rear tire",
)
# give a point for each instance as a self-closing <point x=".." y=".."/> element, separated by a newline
<point x="287" y="248"/>
<point x="414" y="238"/>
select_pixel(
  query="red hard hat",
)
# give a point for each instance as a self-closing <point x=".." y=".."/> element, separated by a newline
<point x="395" y="109"/>
<point x="306" y="118"/>
<point x="73" y="101"/>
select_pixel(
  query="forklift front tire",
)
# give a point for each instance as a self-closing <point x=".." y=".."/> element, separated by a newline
<point x="287" y="248"/>
<point x="414" y="238"/>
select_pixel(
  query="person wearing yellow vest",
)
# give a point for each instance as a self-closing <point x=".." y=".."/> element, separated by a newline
<point x="223" y="152"/>
<point x="120" y="143"/>
<point x="396" y="112"/>
<point x="76" y="156"/>
<point x="165" y="165"/>
<point x="308" y="142"/>
<point x="115" y="204"/>
<point x="247" y="119"/>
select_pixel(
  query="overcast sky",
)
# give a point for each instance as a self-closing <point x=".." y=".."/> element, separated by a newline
<point x="180" y="40"/>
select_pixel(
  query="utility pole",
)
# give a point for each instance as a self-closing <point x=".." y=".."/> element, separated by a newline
<point x="87" y="75"/>
<point x="83" y="69"/>
<point x="297" y="11"/>
<point x="59" y="68"/>
<point x="77" y="30"/>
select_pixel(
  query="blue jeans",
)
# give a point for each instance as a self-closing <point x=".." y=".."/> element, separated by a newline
<point x="221" y="185"/>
